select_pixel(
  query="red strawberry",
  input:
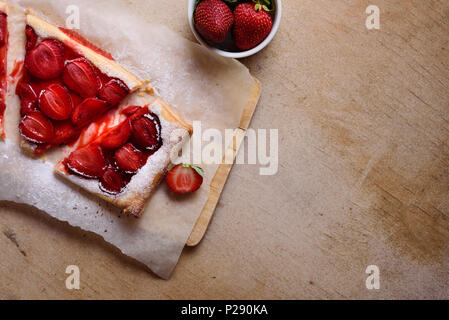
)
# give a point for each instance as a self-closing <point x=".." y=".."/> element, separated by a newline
<point x="3" y="28"/>
<point x="112" y="181"/>
<point x="146" y="131"/>
<point x="46" y="61"/>
<point x="40" y="85"/>
<point x="185" y="178"/>
<point x="117" y="137"/>
<point x="251" y="26"/>
<point x="80" y="76"/>
<point x="31" y="38"/>
<point x="114" y="91"/>
<point x="88" y="110"/>
<point x="213" y="20"/>
<point x="35" y="127"/>
<point x="55" y="102"/>
<point x="128" y="158"/>
<point x="76" y="99"/>
<point x="88" y="162"/>
<point x="65" y="133"/>
<point x="27" y="107"/>
<point x="129" y="111"/>
<point x="28" y="98"/>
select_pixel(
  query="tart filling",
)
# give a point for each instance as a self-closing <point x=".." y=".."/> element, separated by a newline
<point x="61" y="92"/>
<point x="117" y="155"/>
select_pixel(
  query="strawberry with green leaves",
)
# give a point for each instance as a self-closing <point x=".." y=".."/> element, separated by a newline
<point x="253" y="23"/>
<point x="213" y="20"/>
<point x="185" y="178"/>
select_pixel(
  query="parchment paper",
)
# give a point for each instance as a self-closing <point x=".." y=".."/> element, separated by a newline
<point x="200" y="85"/>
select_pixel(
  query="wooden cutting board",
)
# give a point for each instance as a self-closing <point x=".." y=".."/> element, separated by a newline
<point x="222" y="174"/>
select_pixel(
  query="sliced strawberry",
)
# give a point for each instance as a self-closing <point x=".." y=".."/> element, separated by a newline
<point x="88" y="110"/>
<point x="184" y="179"/>
<point x="80" y="76"/>
<point x="25" y="91"/>
<point x="3" y="28"/>
<point x="27" y="107"/>
<point x="117" y="137"/>
<point x="114" y="91"/>
<point x="46" y="60"/>
<point x="36" y="86"/>
<point x="128" y="158"/>
<point x="41" y="85"/>
<point x="65" y="133"/>
<point x="36" y="128"/>
<point x="31" y="38"/>
<point x="28" y="98"/>
<point x="112" y="181"/>
<point x="76" y="99"/>
<point x="146" y="131"/>
<point x="129" y="111"/>
<point x="88" y="162"/>
<point x="55" y="102"/>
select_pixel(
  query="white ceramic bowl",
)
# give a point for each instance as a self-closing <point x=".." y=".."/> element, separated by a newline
<point x="241" y="54"/>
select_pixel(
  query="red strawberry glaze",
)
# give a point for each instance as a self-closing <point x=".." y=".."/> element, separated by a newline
<point x="123" y="157"/>
<point x="3" y="68"/>
<point x="2" y="120"/>
<point x="80" y="79"/>
<point x="117" y="137"/>
<point x="17" y="68"/>
<point x="31" y="38"/>
<point x="89" y="134"/>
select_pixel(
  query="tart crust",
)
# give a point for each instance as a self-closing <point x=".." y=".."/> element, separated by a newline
<point x="132" y="200"/>
<point x="3" y="7"/>
<point x="15" y="57"/>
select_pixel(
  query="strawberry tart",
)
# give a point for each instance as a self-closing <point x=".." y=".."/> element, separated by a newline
<point x="71" y="94"/>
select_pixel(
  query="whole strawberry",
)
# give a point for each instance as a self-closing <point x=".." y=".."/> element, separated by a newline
<point x="252" y="25"/>
<point x="213" y="20"/>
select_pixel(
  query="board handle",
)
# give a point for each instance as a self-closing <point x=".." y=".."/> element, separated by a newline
<point x="222" y="174"/>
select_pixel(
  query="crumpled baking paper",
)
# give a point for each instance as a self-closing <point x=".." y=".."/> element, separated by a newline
<point x="199" y="84"/>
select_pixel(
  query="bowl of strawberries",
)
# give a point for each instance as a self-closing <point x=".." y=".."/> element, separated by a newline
<point x="235" y="28"/>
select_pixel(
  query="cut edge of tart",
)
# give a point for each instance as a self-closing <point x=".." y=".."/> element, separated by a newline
<point x="4" y="40"/>
<point x="92" y="166"/>
<point x="14" y="66"/>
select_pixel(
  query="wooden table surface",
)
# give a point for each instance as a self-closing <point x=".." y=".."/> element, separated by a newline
<point x="363" y="119"/>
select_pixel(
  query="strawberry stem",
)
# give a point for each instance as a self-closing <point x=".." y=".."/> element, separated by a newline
<point x="263" y="4"/>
